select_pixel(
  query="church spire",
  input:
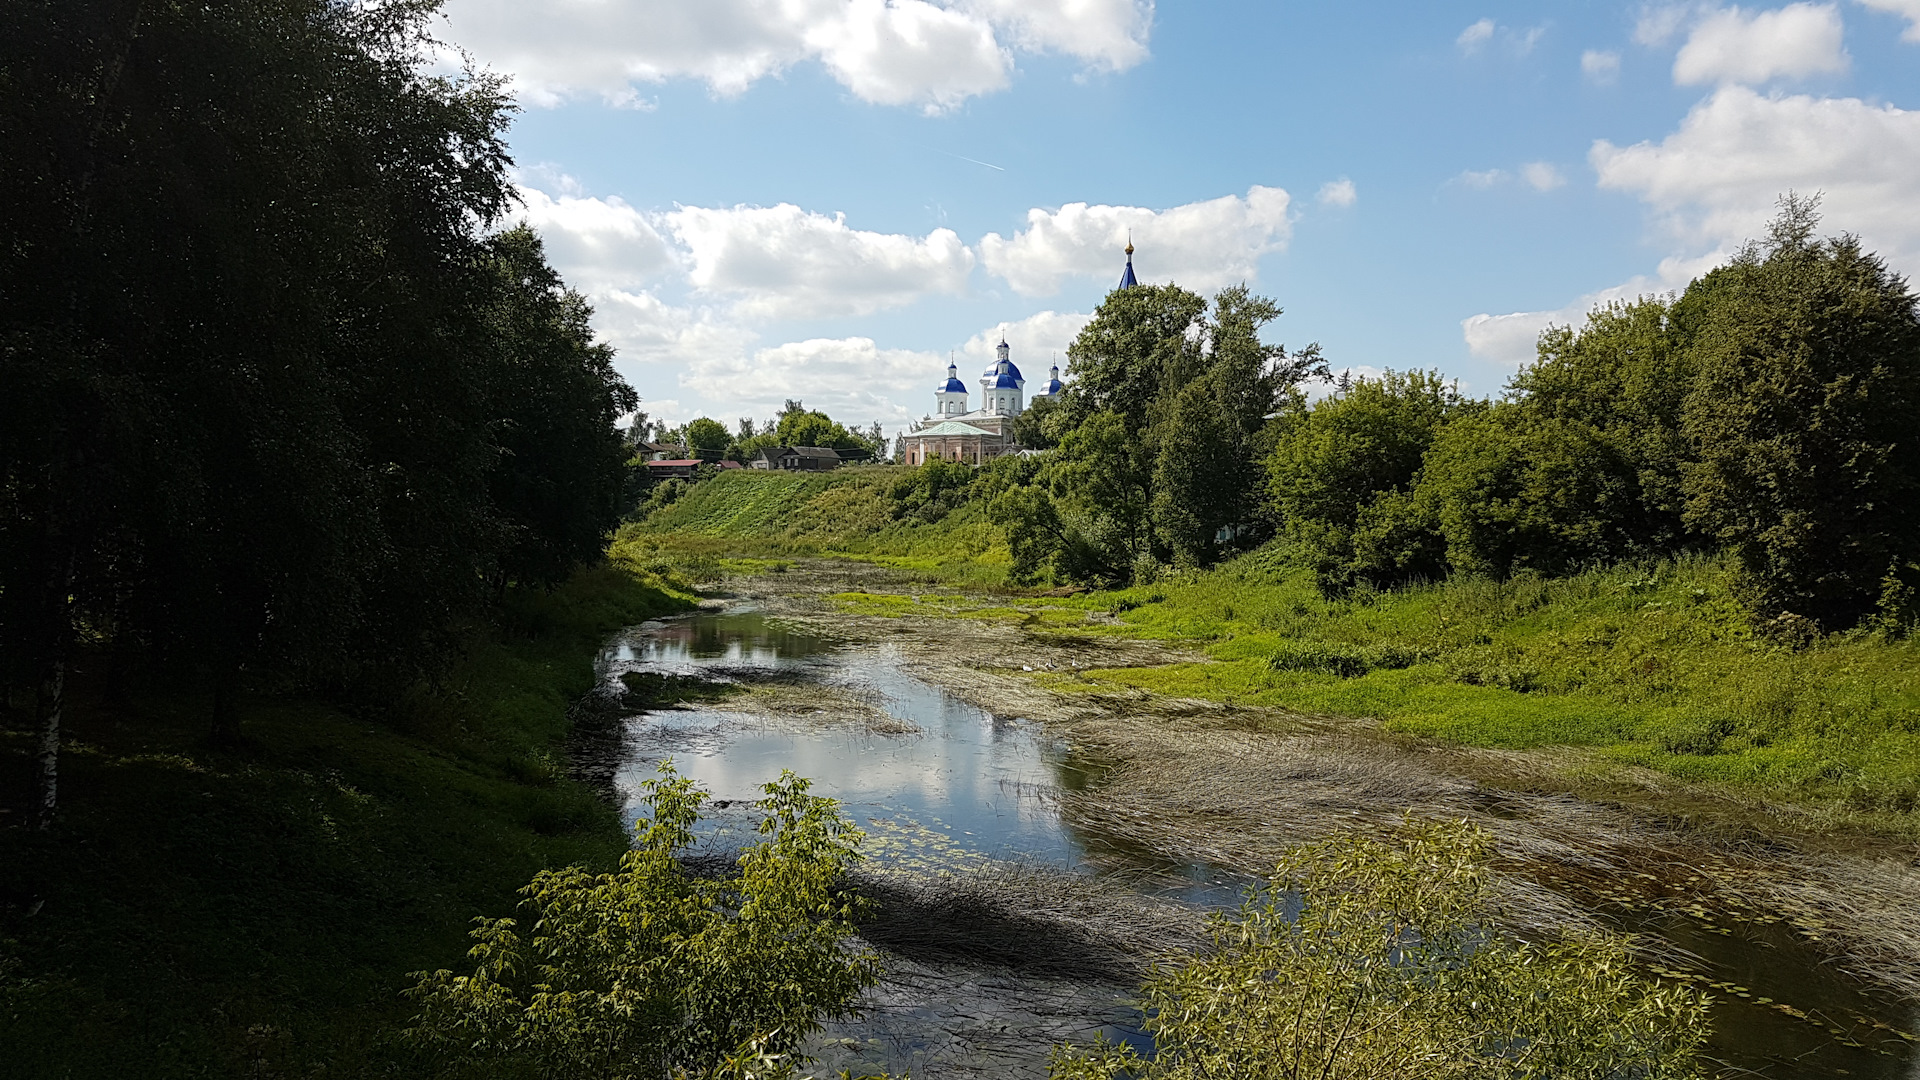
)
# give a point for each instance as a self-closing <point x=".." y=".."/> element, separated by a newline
<point x="1127" y="280"/>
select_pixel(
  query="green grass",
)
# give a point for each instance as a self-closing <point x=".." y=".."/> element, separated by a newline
<point x="204" y="912"/>
<point x="1651" y="665"/>
<point x="760" y="515"/>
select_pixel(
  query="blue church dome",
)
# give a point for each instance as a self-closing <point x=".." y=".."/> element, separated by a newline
<point x="1008" y="378"/>
<point x="952" y="386"/>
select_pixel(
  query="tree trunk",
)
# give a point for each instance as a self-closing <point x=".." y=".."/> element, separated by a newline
<point x="48" y="707"/>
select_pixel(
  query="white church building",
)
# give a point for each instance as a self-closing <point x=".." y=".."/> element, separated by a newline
<point x="955" y="432"/>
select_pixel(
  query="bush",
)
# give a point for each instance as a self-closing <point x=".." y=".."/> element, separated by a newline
<point x="646" y="972"/>
<point x="1393" y="967"/>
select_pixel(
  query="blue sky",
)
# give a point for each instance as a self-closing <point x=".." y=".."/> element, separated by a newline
<point x="823" y="199"/>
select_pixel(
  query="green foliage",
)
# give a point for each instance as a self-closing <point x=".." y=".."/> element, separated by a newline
<point x="708" y="434"/>
<point x="931" y="491"/>
<point x="1340" y="474"/>
<point x="1156" y="442"/>
<point x="276" y="402"/>
<point x="1361" y="959"/>
<point x="649" y="971"/>
<point x="232" y="913"/>
<point x="1652" y="665"/>
<point x="1803" y="417"/>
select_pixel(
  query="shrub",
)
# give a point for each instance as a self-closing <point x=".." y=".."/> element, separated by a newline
<point x="648" y="971"/>
<point x="1393" y="968"/>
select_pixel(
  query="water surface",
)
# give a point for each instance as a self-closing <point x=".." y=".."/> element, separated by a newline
<point x="969" y="785"/>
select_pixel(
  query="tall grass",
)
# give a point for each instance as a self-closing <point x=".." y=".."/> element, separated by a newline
<point x="1652" y="664"/>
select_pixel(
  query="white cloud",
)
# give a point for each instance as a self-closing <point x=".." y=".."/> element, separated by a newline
<point x="892" y="52"/>
<point x="1203" y="245"/>
<point x="1339" y="192"/>
<point x="1475" y="36"/>
<point x="1600" y="67"/>
<point x="1542" y="175"/>
<point x="1033" y="343"/>
<point x="1482" y="180"/>
<point x="1107" y="34"/>
<point x="851" y="379"/>
<point x="1907" y="9"/>
<point x="1733" y="46"/>
<point x="593" y="242"/>
<point x="1509" y="339"/>
<point x="782" y="261"/>
<point x="1713" y="183"/>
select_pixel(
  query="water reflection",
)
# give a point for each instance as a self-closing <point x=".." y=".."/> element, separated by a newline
<point x="968" y="786"/>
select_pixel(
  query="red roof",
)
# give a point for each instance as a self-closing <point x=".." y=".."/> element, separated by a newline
<point x="728" y="465"/>
<point x="677" y="461"/>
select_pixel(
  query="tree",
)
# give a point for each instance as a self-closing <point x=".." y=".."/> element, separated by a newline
<point x="1155" y="444"/>
<point x="275" y="400"/>
<point x="1366" y="960"/>
<point x="649" y="970"/>
<point x="1340" y="474"/>
<point x="709" y="435"/>
<point x="560" y="474"/>
<point x="1802" y="420"/>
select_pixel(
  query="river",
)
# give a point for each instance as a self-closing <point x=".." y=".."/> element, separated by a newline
<point x="940" y="784"/>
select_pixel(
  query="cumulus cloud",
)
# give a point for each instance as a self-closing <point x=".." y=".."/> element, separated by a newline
<point x="1600" y="67"/>
<point x="785" y="262"/>
<point x="1733" y="46"/>
<point x="1713" y="183"/>
<point x="1482" y="179"/>
<point x="1106" y="34"/>
<point x="851" y="379"/>
<point x="594" y="242"/>
<point x="1509" y="339"/>
<point x="892" y="52"/>
<point x="1339" y="192"/>
<point x="1202" y="245"/>
<point x="1907" y="9"/>
<point x="1034" y="343"/>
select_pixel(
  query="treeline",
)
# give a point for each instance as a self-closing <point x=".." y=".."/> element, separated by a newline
<point x="1771" y="410"/>
<point x="279" y="398"/>
<point x="794" y="425"/>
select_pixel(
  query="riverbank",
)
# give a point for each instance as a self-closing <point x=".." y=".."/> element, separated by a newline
<point x="1790" y="917"/>
<point x="255" y="910"/>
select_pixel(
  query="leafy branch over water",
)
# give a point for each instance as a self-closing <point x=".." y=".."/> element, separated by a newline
<point x="1362" y="959"/>
<point x="651" y="972"/>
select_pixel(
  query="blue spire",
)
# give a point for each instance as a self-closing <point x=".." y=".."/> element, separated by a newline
<point x="1127" y="280"/>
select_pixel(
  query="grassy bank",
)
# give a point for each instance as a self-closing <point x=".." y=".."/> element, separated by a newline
<point x="1651" y="666"/>
<point x="255" y="911"/>
<point x="761" y="516"/>
<point x="1639" y="667"/>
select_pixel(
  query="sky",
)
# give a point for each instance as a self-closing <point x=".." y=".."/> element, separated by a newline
<point x="827" y="200"/>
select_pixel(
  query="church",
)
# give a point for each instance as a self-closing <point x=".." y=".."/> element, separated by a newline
<point x="976" y="436"/>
